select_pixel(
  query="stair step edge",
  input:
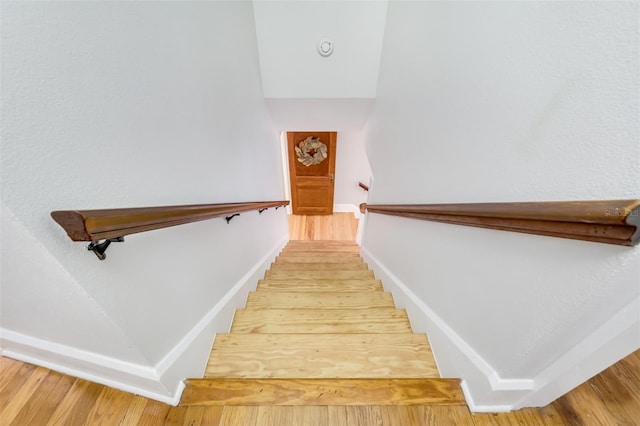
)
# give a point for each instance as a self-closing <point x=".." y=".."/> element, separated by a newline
<point x="407" y="391"/>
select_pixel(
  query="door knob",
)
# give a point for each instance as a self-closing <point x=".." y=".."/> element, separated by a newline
<point x="331" y="177"/>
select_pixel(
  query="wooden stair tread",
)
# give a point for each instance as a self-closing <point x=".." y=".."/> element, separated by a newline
<point x="322" y="392"/>
<point x="319" y="251"/>
<point x="333" y="248"/>
<point x="376" y="320"/>
<point x="320" y="330"/>
<point x="322" y="243"/>
<point x="310" y="275"/>
<point x="295" y="257"/>
<point x="319" y="300"/>
<point x="231" y="340"/>
<point x="321" y="356"/>
<point x="319" y="266"/>
<point x="319" y="285"/>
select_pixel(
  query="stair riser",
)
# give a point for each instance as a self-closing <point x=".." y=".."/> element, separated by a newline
<point x="314" y="259"/>
<point x="312" y="275"/>
<point x="320" y="285"/>
<point x="308" y="300"/>
<point x="322" y="248"/>
<point x="317" y="266"/>
<point x="314" y="244"/>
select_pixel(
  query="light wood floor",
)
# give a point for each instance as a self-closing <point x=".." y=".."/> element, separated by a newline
<point x="338" y="226"/>
<point x="31" y="395"/>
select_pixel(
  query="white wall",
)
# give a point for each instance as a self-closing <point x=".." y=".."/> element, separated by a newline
<point x="334" y="114"/>
<point x="111" y="104"/>
<point x="288" y="35"/>
<point x="352" y="167"/>
<point x="507" y="101"/>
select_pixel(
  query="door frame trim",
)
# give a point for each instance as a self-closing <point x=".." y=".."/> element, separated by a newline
<point x="284" y="151"/>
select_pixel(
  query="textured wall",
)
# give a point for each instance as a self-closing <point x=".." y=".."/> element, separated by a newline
<point x="116" y="104"/>
<point x="41" y="299"/>
<point x="507" y="101"/>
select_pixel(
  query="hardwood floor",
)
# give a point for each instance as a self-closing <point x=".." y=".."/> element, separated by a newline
<point x="31" y="395"/>
<point x="338" y="226"/>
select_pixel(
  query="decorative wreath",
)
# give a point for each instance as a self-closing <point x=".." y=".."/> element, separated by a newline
<point x="311" y="151"/>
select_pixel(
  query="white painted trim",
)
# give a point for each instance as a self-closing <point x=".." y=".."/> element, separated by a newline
<point x="482" y="408"/>
<point x="218" y="319"/>
<point x="129" y="377"/>
<point x="612" y="341"/>
<point x="347" y="208"/>
<point x="497" y="383"/>
<point x="162" y="382"/>
<point x="12" y="337"/>
<point x="284" y="152"/>
<point x="362" y="224"/>
<point x="177" y="351"/>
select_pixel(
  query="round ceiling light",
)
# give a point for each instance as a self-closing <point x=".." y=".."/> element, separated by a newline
<point x="325" y="47"/>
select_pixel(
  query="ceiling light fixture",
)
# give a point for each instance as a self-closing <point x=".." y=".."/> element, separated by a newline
<point x="325" y="47"/>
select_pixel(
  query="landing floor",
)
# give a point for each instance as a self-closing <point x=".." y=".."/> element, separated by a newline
<point x="338" y="226"/>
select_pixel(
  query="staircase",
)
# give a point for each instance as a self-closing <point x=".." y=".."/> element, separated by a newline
<point x="320" y="330"/>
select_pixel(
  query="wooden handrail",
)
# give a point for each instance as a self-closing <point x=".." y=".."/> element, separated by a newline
<point x="609" y="221"/>
<point x="95" y="225"/>
<point x="363" y="186"/>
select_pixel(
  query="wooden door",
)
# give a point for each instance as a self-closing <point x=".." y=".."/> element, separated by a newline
<point x="312" y="166"/>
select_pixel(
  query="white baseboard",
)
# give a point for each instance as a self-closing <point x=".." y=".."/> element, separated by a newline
<point x="484" y="389"/>
<point x="129" y="377"/>
<point x="454" y="356"/>
<point x="347" y="208"/>
<point x="475" y="408"/>
<point x="188" y="358"/>
<point x="609" y="343"/>
<point x="162" y="382"/>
